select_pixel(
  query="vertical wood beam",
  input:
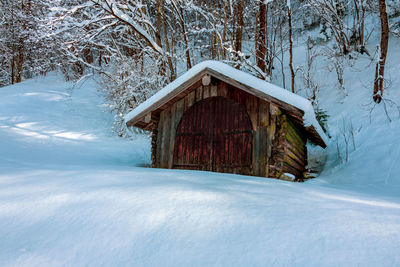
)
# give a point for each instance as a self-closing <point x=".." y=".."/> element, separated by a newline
<point x="166" y="138"/>
<point x="159" y="140"/>
<point x="191" y="98"/>
<point x="222" y="89"/>
<point x="172" y="135"/>
<point x="154" y="144"/>
<point x="199" y="93"/>
<point x="263" y="109"/>
<point x="206" y="91"/>
<point x="214" y="90"/>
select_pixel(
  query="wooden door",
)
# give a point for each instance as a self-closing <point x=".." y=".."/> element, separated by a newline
<point x="215" y="134"/>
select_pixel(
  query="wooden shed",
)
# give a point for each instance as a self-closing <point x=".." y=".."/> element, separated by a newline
<point x="217" y="118"/>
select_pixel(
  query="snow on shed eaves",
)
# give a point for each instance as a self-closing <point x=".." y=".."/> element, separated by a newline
<point x="242" y="77"/>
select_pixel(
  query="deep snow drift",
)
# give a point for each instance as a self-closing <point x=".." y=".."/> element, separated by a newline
<point x="72" y="194"/>
<point x="46" y="121"/>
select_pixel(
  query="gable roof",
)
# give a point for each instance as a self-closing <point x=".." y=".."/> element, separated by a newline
<point x="247" y="82"/>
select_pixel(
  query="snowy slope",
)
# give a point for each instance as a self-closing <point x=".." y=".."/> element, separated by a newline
<point x="71" y="194"/>
<point x="43" y="121"/>
<point x="125" y="216"/>
<point x="374" y="164"/>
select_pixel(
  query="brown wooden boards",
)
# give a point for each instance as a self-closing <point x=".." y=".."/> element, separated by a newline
<point x="193" y="90"/>
<point x="222" y="128"/>
<point x="215" y="134"/>
<point x="192" y="141"/>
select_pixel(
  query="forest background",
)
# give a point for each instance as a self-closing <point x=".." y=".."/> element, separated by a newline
<point x="134" y="48"/>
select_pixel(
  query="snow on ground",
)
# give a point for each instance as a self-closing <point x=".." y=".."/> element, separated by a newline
<point x="124" y="216"/>
<point x="72" y="194"/>
<point x="374" y="165"/>
<point x="46" y="121"/>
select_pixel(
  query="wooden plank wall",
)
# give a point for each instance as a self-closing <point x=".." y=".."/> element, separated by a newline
<point x="278" y="144"/>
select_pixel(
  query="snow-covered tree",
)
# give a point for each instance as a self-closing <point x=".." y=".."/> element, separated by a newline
<point x="349" y="34"/>
<point x="23" y="51"/>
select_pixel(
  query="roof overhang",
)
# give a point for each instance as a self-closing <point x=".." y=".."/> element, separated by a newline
<point x="302" y="113"/>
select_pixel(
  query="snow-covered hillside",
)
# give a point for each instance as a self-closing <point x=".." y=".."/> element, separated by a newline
<point x="374" y="164"/>
<point x="71" y="194"/>
<point x="46" y="121"/>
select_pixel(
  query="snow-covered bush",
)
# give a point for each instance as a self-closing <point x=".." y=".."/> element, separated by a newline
<point x="393" y="8"/>
<point x="126" y="85"/>
<point x="322" y="118"/>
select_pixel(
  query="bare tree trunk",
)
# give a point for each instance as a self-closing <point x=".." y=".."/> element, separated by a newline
<point x="238" y="30"/>
<point x="162" y="28"/>
<point x="160" y="7"/>
<point x="13" y="64"/>
<point x="224" y="34"/>
<point x="20" y="62"/>
<point x="380" y="65"/>
<point x="291" y="47"/>
<point x="12" y="45"/>
<point x="260" y="38"/>
<point x="213" y="39"/>
<point x="185" y="39"/>
<point x="169" y="58"/>
<point x="282" y="53"/>
<point x="21" y="47"/>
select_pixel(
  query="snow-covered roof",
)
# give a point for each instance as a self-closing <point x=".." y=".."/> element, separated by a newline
<point x="259" y="86"/>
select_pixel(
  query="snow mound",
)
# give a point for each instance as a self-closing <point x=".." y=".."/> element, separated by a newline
<point x="49" y="121"/>
<point x="71" y="194"/>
